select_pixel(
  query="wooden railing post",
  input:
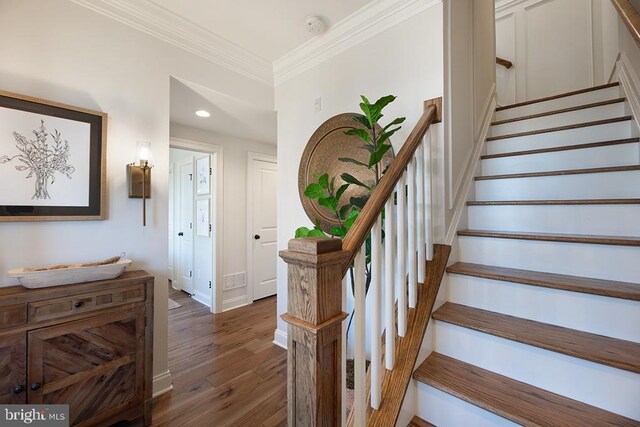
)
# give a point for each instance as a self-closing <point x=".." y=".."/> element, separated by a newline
<point x="314" y="314"/>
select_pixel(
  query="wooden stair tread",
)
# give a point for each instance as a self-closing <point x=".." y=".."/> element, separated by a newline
<point x="588" y="285"/>
<point x="561" y="95"/>
<point x="419" y="422"/>
<point x="559" y="111"/>
<point x="562" y="148"/>
<point x="560" y="172"/>
<point x="514" y="400"/>
<point x="554" y="202"/>
<point x="561" y="128"/>
<point x="613" y="352"/>
<point x="555" y="237"/>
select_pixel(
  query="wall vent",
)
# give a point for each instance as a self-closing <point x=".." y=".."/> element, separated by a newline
<point x="233" y="281"/>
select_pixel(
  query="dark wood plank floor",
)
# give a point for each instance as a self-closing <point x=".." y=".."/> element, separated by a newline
<point x="225" y="368"/>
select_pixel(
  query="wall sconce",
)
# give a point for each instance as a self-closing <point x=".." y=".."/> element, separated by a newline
<point x="139" y="176"/>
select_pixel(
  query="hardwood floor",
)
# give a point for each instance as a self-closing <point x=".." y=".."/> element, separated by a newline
<point x="226" y="371"/>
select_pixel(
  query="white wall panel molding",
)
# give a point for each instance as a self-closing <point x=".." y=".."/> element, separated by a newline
<point x="171" y="28"/>
<point x="630" y="85"/>
<point x="373" y="19"/>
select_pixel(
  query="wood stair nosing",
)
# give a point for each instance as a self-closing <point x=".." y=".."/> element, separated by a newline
<point x="554" y="237"/>
<point x="514" y="400"/>
<point x="561" y="95"/>
<point x="419" y="422"/>
<point x="587" y="285"/>
<point x="562" y="148"/>
<point x="595" y="348"/>
<point x="609" y="169"/>
<point x="561" y="128"/>
<point x="559" y="111"/>
<point x="553" y="202"/>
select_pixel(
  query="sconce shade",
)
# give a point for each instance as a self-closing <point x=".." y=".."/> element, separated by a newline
<point x="143" y="153"/>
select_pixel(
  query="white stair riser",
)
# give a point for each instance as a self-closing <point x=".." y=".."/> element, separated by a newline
<point x="616" y="318"/>
<point x="608" y="220"/>
<point x="597" y="157"/>
<point x="444" y="410"/>
<point x="578" y="259"/>
<point x="609" y="185"/>
<point x="561" y="119"/>
<point x="568" y="376"/>
<point x="559" y="103"/>
<point x="598" y="133"/>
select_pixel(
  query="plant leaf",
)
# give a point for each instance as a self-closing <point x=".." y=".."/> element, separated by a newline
<point x="353" y="180"/>
<point x="397" y="121"/>
<point x="359" y="202"/>
<point x="339" y="231"/>
<point x="362" y="120"/>
<point x="360" y="133"/>
<point x="344" y="211"/>
<point x="354" y="161"/>
<point x="4" y="159"/>
<point x="341" y="190"/>
<point x="21" y="168"/>
<point x="324" y="181"/>
<point x="379" y="154"/>
<point x="332" y="184"/>
<point x="329" y="202"/>
<point x="384" y="136"/>
<point x="317" y="233"/>
<point x="314" y="191"/>
<point x="376" y="109"/>
<point x="352" y="218"/>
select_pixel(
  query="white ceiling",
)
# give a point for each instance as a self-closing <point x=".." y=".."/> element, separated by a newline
<point x="266" y="28"/>
<point x="229" y="116"/>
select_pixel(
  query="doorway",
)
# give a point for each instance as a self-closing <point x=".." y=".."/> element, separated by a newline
<point x="194" y="200"/>
<point x="262" y="252"/>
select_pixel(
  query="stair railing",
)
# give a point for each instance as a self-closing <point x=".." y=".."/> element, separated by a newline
<point x="317" y="286"/>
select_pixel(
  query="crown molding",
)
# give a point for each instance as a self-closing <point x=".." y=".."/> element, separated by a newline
<point x="171" y="28"/>
<point x="367" y="22"/>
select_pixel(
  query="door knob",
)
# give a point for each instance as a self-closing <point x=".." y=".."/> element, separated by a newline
<point x="78" y="304"/>
<point x="181" y="234"/>
<point x="35" y="386"/>
<point x="257" y="237"/>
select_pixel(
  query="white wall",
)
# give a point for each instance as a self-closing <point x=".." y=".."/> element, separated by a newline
<point x="405" y="60"/>
<point x="556" y="46"/>
<point x="61" y="51"/>
<point x="234" y="217"/>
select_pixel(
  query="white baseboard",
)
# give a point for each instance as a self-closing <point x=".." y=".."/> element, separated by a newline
<point x="162" y="383"/>
<point x="236" y="302"/>
<point x="472" y="165"/>
<point x="280" y="338"/>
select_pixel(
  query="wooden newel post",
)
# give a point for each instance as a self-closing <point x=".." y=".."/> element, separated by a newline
<point x="314" y="338"/>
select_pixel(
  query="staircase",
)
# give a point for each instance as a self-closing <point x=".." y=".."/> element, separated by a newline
<point x="542" y="321"/>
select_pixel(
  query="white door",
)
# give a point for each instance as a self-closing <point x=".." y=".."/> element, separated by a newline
<point x="262" y="216"/>
<point x="184" y="224"/>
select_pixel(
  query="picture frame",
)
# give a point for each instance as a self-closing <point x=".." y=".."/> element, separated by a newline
<point x="202" y="217"/>
<point x="54" y="157"/>
<point x="203" y="176"/>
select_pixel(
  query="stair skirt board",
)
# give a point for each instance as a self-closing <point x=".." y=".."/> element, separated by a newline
<point x="565" y="375"/>
<point x="509" y="112"/>
<point x="577" y="259"/>
<point x="607" y="185"/>
<point x="585" y="135"/>
<point x="583" y="158"/>
<point x="571" y="117"/>
<point x="616" y="318"/>
<point x="607" y="220"/>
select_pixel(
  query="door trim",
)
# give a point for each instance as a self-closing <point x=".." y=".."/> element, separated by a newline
<point x="218" y="184"/>
<point x="250" y="158"/>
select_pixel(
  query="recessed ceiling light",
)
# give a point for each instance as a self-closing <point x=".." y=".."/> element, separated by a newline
<point x="203" y="113"/>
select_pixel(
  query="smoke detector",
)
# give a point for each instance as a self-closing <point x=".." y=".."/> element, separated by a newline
<point x="315" y="24"/>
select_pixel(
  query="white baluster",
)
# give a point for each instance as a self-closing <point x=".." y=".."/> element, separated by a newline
<point x="420" y="212"/>
<point x="375" y="288"/>
<point x="401" y="268"/>
<point x="428" y="200"/>
<point x="343" y="412"/>
<point x="360" y="397"/>
<point x="411" y="233"/>
<point x="390" y="299"/>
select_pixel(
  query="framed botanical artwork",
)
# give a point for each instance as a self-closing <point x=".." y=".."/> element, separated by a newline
<point x="52" y="160"/>
<point x="203" y="173"/>
<point x="202" y="219"/>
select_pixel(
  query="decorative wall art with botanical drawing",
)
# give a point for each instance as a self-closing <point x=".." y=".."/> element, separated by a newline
<point x="52" y="160"/>
<point x="203" y="185"/>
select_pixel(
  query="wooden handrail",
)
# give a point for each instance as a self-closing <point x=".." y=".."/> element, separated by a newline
<point x="504" y="62"/>
<point x="368" y="216"/>
<point x="630" y="17"/>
